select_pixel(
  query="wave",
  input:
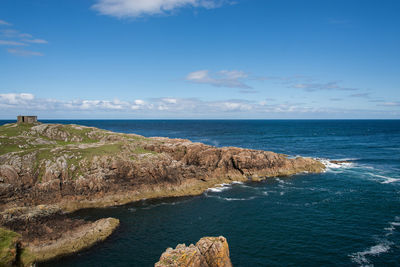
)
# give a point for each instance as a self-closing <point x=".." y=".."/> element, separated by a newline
<point x="233" y="199"/>
<point x="222" y="187"/>
<point x="392" y="226"/>
<point x="361" y="170"/>
<point x="330" y="165"/>
<point x="282" y="181"/>
<point x="386" y="179"/>
<point x="382" y="247"/>
<point x="361" y="257"/>
<point x="217" y="189"/>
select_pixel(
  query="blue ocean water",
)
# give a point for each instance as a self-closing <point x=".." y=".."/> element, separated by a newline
<point x="347" y="216"/>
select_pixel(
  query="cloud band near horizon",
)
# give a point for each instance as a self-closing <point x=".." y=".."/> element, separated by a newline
<point x="12" y="104"/>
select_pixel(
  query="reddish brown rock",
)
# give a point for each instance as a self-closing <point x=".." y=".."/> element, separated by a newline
<point x="125" y="167"/>
<point x="208" y="252"/>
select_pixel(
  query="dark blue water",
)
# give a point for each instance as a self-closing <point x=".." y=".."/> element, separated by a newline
<point x="347" y="216"/>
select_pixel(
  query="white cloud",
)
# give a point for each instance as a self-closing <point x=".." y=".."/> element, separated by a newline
<point x="311" y="87"/>
<point x="11" y="43"/>
<point x="25" y="35"/>
<point x="24" y="53"/>
<point x="234" y="106"/>
<point x="170" y="100"/>
<point x="95" y="105"/>
<point x="15" y="103"/>
<point x="224" y="78"/>
<point x="137" y="8"/>
<point x="3" y="22"/>
<point x="139" y="102"/>
<point x="35" y="41"/>
<point x="391" y="104"/>
<point x="15" y="99"/>
<point x="13" y="37"/>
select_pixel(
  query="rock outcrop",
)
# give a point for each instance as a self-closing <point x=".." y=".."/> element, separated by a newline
<point x="72" y="240"/>
<point x="80" y="167"/>
<point x="208" y="252"/>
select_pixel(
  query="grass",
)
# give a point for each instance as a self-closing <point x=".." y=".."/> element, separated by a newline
<point x="8" y="251"/>
<point x="141" y="150"/>
<point x="18" y="138"/>
<point x="11" y="130"/>
<point x="82" y="133"/>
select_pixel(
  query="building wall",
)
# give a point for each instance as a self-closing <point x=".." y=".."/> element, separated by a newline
<point x="27" y="119"/>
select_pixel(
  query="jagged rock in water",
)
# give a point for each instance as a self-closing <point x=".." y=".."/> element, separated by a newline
<point x="208" y="252"/>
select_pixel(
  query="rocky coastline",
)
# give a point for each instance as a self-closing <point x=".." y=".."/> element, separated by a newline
<point x="49" y="170"/>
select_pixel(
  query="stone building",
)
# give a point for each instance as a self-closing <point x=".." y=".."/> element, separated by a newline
<point x="26" y="119"/>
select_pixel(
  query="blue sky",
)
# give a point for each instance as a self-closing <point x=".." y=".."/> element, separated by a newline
<point x="261" y="59"/>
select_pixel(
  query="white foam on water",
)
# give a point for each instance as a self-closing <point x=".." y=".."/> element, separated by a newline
<point x="232" y="198"/>
<point x="390" y="230"/>
<point x="383" y="246"/>
<point x="390" y="180"/>
<point x="341" y="167"/>
<point x="392" y="226"/>
<point x="218" y="189"/>
<point x="282" y="181"/>
<point x="383" y="179"/>
<point x="281" y="193"/>
<point x="222" y="187"/>
<point x="361" y="257"/>
<point x="237" y="199"/>
<point x="332" y="166"/>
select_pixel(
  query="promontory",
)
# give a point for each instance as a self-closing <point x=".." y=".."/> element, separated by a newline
<point x="50" y="170"/>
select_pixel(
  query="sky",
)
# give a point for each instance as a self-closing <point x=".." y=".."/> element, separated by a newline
<point x="200" y="59"/>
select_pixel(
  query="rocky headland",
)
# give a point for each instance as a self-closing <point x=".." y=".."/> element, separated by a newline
<point x="49" y="170"/>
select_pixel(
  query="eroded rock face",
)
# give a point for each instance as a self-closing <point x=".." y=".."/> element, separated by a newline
<point x="208" y="252"/>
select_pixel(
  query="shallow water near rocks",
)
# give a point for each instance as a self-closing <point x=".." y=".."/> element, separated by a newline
<point x="347" y="216"/>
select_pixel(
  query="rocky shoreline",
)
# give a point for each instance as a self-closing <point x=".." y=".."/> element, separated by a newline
<point x="48" y="170"/>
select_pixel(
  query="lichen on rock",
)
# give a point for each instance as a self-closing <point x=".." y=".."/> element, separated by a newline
<point x="208" y="252"/>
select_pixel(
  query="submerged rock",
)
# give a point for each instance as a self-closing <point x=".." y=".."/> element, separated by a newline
<point x="208" y="252"/>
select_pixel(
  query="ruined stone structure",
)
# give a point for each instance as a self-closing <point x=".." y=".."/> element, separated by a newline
<point x="26" y="119"/>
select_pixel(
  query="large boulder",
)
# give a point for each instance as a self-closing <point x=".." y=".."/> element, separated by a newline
<point x="208" y="252"/>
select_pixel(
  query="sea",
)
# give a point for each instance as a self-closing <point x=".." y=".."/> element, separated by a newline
<point x="347" y="216"/>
